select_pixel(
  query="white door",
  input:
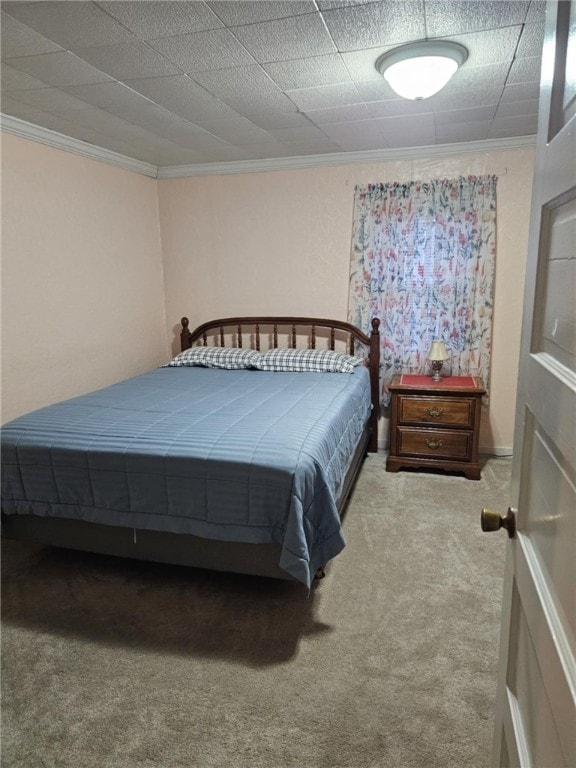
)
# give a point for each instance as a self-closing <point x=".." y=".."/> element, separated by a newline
<point x="536" y="699"/>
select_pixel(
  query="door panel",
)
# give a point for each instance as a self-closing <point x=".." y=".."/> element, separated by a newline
<point x="551" y="526"/>
<point x="536" y="700"/>
<point x="527" y="684"/>
<point x="556" y="305"/>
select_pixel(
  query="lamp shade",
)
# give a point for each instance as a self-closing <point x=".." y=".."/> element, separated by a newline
<point x="419" y="70"/>
<point x="438" y="351"/>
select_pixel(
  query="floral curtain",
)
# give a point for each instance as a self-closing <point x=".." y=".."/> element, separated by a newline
<point x="423" y="262"/>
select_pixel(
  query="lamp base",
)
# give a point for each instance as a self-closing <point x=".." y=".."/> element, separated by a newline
<point x="436" y="368"/>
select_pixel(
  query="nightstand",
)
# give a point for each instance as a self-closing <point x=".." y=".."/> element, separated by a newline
<point x="435" y="425"/>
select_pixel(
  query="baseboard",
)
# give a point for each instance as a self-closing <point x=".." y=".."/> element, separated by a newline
<point x="383" y="445"/>
<point x="498" y="450"/>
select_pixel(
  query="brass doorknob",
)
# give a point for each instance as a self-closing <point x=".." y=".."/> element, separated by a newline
<point x="490" y="520"/>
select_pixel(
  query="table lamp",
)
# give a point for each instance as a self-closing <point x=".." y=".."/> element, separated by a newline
<point x="437" y="355"/>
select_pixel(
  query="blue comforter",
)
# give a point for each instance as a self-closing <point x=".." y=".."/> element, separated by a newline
<point x="238" y="455"/>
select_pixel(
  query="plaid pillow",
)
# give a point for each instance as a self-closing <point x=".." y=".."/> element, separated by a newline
<point x="230" y="358"/>
<point x="318" y="360"/>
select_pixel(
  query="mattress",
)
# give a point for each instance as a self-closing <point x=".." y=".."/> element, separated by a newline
<point x="233" y="455"/>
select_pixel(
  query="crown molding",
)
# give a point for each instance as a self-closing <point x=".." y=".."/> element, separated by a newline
<point x="345" y="158"/>
<point x="42" y="135"/>
<point x="53" y="139"/>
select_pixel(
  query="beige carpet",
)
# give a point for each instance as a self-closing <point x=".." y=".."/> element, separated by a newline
<point x="390" y="663"/>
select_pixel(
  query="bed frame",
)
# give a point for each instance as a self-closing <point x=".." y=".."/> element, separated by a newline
<point x="189" y="550"/>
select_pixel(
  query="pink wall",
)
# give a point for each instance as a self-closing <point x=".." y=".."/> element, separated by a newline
<point x="87" y="277"/>
<point x="279" y="242"/>
<point x="83" y="302"/>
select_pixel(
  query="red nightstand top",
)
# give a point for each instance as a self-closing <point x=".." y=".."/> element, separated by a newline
<point x="414" y="380"/>
<point x="421" y="383"/>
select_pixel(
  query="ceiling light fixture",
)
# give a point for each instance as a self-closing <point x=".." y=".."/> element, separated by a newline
<point x="419" y="70"/>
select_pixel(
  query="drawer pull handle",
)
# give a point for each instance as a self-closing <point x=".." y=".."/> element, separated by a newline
<point x="434" y="444"/>
<point x="435" y="412"/>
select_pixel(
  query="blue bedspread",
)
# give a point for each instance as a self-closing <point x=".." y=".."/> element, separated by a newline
<point x="240" y="455"/>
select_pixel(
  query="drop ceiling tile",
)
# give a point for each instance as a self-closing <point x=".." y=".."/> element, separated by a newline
<point x="536" y="12"/>
<point x="108" y="125"/>
<point x="12" y="106"/>
<point x="359" y="143"/>
<point x="325" y="96"/>
<point x="415" y="137"/>
<point x="376" y="90"/>
<point x="307" y="73"/>
<point x="525" y="70"/>
<point x="346" y="114"/>
<point x="164" y="152"/>
<point x="361" y="65"/>
<point x="475" y="131"/>
<point x="244" y="12"/>
<point x="383" y="23"/>
<point x="59" y="69"/>
<point x="228" y="154"/>
<point x="52" y="100"/>
<point x="513" y="108"/>
<point x="164" y="124"/>
<point x="469" y="116"/>
<point x="183" y="96"/>
<point x="278" y="120"/>
<point x="130" y="106"/>
<point x="15" y="80"/>
<point x="202" y="51"/>
<point x="521" y="92"/>
<point x="68" y="127"/>
<point x="70" y="24"/>
<point x="397" y="107"/>
<point x="452" y="17"/>
<point x="519" y="125"/>
<point x="265" y="150"/>
<point x="491" y="76"/>
<point x="129" y="60"/>
<point x="303" y="133"/>
<point x="312" y="147"/>
<point x="424" y="124"/>
<point x="106" y="96"/>
<point x="240" y="81"/>
<point x="481" y="97"/>
<point x="191" y="139"/>
<point x="19" y="40"/>
<point x="162" y="19"/>
<point x="326" y="5"/>
<point x="237" y="131"/>
<point x="531" y="41"/>
<point x="364" y="129"/>
<point x="296" y="38"/>
<point x="179" y="156"/>
<point x="489" y="47"/>
<point x="256" y="103"/>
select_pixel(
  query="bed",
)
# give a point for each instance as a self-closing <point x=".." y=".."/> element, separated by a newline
<point x="238" y="455"/>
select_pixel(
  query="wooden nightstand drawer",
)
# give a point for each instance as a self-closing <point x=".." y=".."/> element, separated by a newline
<point x="435" y="443"/>
<point x="451" y="412"/>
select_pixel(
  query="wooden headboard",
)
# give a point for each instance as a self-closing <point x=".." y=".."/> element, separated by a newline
<point x="255" y="331"/>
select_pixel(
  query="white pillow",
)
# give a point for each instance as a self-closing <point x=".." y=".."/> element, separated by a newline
<point x="318" y="360"/>
<point x="230" y="358"/>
